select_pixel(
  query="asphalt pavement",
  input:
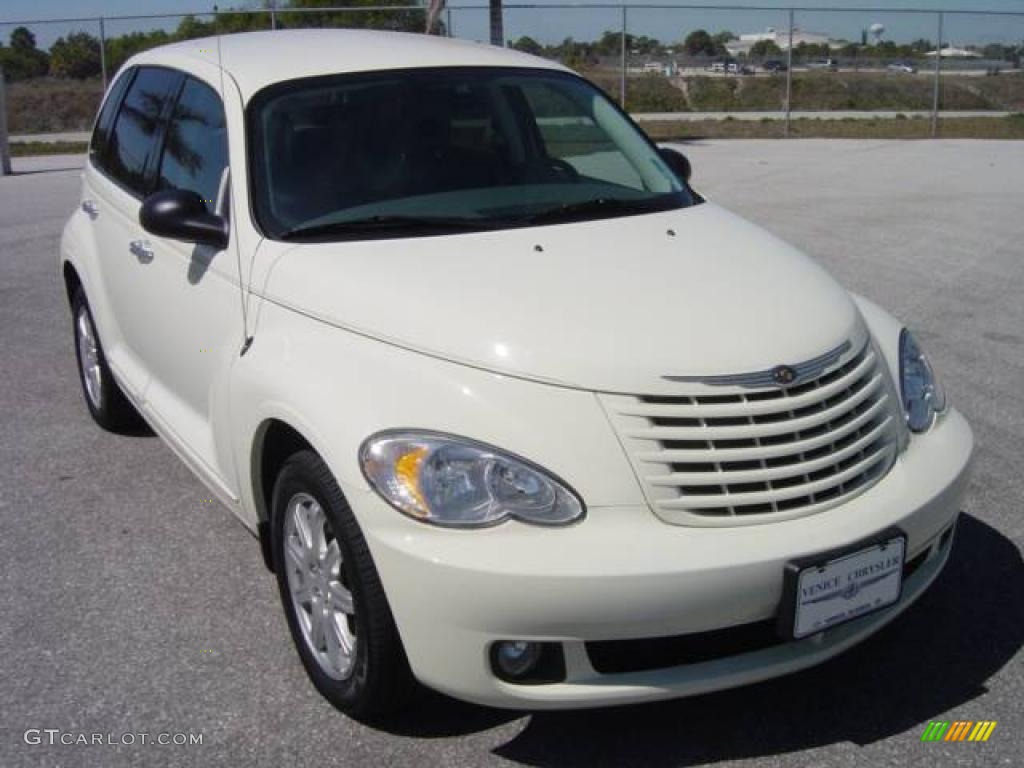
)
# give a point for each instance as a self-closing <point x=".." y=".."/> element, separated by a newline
<point x="131" y="604"/>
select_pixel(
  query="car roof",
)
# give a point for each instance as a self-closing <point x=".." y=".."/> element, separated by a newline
<point x="258" y="59"/>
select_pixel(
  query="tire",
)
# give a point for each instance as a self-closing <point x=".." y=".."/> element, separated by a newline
<point x="355" y="659"/>
<point x="107" y="404"/>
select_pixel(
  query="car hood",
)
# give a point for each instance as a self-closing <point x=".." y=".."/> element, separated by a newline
<point x="610" y="305"/>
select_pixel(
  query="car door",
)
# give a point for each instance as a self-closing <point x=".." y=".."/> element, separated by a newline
<point x="116" y="178"/>
<point x="192" y="318"/>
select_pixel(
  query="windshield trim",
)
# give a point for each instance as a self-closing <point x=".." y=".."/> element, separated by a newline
<point x="686" y="197"/>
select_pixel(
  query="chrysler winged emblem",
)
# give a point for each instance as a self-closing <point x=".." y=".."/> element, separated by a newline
<point x="783" y="375"/>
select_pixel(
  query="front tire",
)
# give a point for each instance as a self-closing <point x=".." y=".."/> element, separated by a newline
<point x="107" y="404"/>
<point x="333" y="599"/>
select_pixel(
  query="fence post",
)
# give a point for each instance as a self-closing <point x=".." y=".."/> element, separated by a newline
<point x="938" y="68"/>
<point x="273" y="15"/>
<point x="5" y="152"/>
<point x="789" y="75"/>
<point x="622" y="63"/>
<point x="103" y="52"/>
<point x="448" y="19"/>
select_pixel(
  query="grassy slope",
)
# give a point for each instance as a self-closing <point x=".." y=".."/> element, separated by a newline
<point x="47" y="105"/>
<point x="916" y="128"/>
<point x="35" y="148"/>
<point x="817" y="91"/>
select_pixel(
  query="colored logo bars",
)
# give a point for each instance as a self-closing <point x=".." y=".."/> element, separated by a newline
<point x="959" y="730"/>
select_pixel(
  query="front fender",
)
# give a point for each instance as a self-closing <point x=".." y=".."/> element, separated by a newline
<point x="337" y="388"/>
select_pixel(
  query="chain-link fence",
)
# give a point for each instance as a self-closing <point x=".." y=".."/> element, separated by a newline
<point x="772" y="68"/>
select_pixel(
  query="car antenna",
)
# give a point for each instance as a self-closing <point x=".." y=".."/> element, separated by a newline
<point x="246" y="338"/>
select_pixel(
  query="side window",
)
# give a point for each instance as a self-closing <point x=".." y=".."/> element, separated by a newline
<point x="132" y="140"/>
<point x="101" y="133"/>
<point x="195" y="149"/>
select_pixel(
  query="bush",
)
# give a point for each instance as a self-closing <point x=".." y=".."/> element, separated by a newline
<point x="77" y="56"/>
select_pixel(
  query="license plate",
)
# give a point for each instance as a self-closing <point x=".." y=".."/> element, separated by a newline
<point x="829" y="589"/>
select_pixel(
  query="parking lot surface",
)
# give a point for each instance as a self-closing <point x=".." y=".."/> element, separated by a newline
<point x="131" y="604"/>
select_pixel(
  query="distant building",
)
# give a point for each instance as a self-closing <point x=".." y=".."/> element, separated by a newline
<point x="955" y="53"/>
<point x="745" y="42"/>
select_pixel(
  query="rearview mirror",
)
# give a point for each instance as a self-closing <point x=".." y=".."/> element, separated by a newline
<point x="181" y="215"/>
<point x="677" y="161"/>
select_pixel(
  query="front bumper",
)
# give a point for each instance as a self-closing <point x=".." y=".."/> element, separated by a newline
<point x="624" y="574"/>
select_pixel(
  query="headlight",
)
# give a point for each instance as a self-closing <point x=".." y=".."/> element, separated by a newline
<point x="458" y="482"/>
<point x="922" y="395"/>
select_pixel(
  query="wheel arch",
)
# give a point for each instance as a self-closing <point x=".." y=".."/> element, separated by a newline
<point x="72" y="281"/>
<point x="273" y="442"/>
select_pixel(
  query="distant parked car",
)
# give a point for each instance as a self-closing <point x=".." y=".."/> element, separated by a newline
<point x="827" y="64"/>
<point x="774" y="65"/>
<point x="902" y="66"/>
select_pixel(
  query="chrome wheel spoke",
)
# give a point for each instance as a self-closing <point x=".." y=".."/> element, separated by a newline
<point x="316" y="520"/>
<point x="296" y="555"/>
<point x="332" y="561"/>
<point x="335" y="650"/>
<point x="301" y="588"/>
<point x="318" y="622"/>
<point x="339" y="598"/>
<point x="300" y="515"/>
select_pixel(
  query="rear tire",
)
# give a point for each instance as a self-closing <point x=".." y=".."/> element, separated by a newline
<point x="107" y="404"/>
<point x="332" y="596"/>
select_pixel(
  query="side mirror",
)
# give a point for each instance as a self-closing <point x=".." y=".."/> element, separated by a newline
<point x="677" y="161"/>
<point x="181" y="215"/>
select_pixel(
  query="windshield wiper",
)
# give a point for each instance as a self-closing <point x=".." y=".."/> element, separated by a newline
<point x="600" y="205"/>
<point x="385" y="223"/>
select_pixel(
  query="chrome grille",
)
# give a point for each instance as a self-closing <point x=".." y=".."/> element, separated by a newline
<point x="729" y="458"/>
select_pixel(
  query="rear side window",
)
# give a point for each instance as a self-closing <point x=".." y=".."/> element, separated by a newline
<point x="101" y="132"/>
<point x="195" y="149"/>
<point x="133" y="138"/>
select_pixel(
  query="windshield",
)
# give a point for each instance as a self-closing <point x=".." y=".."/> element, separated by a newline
<point x="429" y="151"/>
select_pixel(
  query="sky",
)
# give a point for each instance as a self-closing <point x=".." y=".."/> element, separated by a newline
<point x="554" y="24"/>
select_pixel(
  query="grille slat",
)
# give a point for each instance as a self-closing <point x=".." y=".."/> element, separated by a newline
<point x="772" y="429"/>
<point x="767" y="452"/>
<point x="797" y="469"/>
<point x="707" y="453"/>
<point x="782" y="494"/>
<point x="752" y="404"/>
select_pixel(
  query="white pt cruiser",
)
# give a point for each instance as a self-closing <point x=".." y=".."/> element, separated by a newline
<point x="512" y="409"/>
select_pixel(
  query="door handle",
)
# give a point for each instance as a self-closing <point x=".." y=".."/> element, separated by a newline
<point x="142" y="250"/>
<point x="90" y="207"/>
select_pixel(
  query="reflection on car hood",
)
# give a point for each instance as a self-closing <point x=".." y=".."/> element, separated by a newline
<point x="611" y="305"/>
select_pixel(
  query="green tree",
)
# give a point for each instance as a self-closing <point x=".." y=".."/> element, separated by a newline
<point x="23" y="60"/>
<point x="403" y="20"/>
<point x="189" y="28"/>
<point x="123" y="47"/>
<point x="528" y="45"/>
<point x="764" y="48"/>
<point x="76" y="56"/>
<point x="22" y="39"/>
<point x="812" y="51"/>
<point x="723" y="37"/>
<point x="699" y="43"/>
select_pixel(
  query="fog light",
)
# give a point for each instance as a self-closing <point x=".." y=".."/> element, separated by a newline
<point x="517" y="658"/>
